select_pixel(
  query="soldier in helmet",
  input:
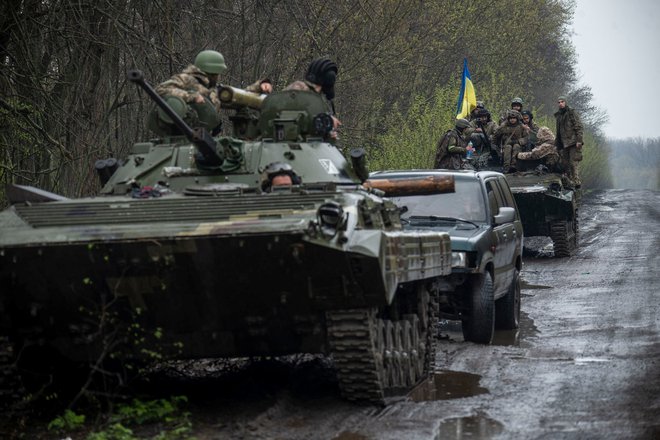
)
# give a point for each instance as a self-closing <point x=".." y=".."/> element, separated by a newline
<point x="452" y="147"/>
<point x="481" y="132"/>
<point x="475" y="113"/>
<point x="197" y="81"/>
<point x="516" y="104"/>
<point x="320" y="78"/>
<point x="278" y="174"/>
<point x="509" y="138"/>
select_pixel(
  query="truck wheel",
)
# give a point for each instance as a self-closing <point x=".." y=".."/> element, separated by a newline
<point x="479" y="322"/>
<point x="507" y="308"/>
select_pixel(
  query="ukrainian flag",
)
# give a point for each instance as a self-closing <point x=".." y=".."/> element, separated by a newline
<point x="467" y="99"/>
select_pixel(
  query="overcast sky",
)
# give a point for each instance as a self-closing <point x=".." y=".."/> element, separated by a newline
<point x="617" y="43"/>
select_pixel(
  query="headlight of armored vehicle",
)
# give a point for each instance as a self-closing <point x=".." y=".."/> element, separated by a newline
<point x="331" y="218"/>
<point x="458" y="259"/>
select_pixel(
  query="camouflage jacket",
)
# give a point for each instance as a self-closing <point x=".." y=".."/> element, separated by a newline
<point x="545" y="147"/>
<point x="507" y="134"/>
<point x="488" y="129"/>
<point x="192" y="82"/>
<point x="189" y="84"/>
<point x="450" y="149"/>
<point x="569" y="128"/>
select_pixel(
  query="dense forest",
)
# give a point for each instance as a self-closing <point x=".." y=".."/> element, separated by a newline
<point x="65" y="101"/>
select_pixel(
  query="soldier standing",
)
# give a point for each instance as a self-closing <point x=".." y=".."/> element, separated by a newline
<point x="569" y="139"/>
<point x="452" y="147"/>
<point x="510" y="136"/>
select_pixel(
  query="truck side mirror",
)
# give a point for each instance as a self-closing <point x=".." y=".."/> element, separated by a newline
<point x="506" y="215"/>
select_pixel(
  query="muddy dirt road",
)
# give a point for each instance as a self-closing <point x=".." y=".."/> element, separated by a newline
<point x="585" y="363"/>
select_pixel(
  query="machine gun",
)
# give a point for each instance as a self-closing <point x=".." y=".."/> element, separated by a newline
<point x="199" y="137"/>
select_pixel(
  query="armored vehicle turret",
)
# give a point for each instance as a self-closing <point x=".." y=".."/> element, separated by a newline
<point x="191" y="250"/>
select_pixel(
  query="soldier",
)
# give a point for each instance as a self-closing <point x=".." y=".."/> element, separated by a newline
<point x="278" y="174"/>
<point x="528" y="121"/>
<point x="481" y="132"/>
<point x="569" y="140"/>
<point x="545" y="149"/>
<point x="509" y="137"/>
<point x="516" y="104"/>
<point x="475" y="113"/>
<point x="320" y="78"/>
<point x="452" y="147"/>
<point x="197" y="81"/>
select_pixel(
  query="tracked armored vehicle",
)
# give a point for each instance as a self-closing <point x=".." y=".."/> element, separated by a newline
<point x="186" y="253"/>
<point x="548" y="208"/>
<point x="547" y="202"/>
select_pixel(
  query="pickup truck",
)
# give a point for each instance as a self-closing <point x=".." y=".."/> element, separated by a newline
<point x="486" y="232"/>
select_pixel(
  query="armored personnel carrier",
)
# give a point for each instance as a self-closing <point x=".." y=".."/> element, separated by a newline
<point x="547" y="202"/>
<point x="548" y="208"/>
<point x="189" y="252"/>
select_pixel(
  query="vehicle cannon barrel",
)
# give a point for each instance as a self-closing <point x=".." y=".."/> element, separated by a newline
<point x="200" y="137"/>
<point x="413" y="186"/>
<point x="232" y="97"/>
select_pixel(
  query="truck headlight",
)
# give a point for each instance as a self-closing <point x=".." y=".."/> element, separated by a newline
<point x="458" y="259"/>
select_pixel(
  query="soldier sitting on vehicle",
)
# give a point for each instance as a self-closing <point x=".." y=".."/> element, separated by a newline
<point x="528" y="121"/>
<point x="481" y="132"/>
<point x="545" y="149"/>
<point x="452" y="147"/>
<point x="516" y="104"/>
<point x="509" y="137"/>
<point x="320" y="78"/>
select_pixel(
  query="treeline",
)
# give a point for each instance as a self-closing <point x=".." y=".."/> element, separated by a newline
<point x="635" y="163"/>
<point x="65" y="101"/>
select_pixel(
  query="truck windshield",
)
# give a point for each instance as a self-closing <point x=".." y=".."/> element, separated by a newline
<point x="466" y="203"/>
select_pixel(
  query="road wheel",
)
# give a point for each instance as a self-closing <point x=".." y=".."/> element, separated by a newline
<point x="479" y="320"/>
<point x="507" y="308"/>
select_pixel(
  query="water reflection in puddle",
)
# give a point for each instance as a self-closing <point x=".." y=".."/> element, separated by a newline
<point x="527" y="329"/>
<point x="474" y="427"/>
<point x="451" y="330"/>
<point x="347" y="435"/>
<point x="445" y="385"/>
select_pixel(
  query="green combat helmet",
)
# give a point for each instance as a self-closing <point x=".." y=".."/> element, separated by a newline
<point x="462" y="124"/>
<point x="518" y="101"/>
<point x="210" y="62"/>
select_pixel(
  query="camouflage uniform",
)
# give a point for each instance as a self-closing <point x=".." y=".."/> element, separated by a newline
<point x="545" y="149"/>
<point x="487" y="129"/>
<point x="192" y="82"/>
<point x="509" y="138"/>
<point x="450" y="151"/>
<point x="569" y="134"/>
<point x="189" y="84"/>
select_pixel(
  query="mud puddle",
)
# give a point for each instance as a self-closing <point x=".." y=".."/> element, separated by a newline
<point x="473" y="427"/>
<point x="446" y="385"/>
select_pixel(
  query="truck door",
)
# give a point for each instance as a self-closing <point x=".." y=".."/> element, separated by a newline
<point x="505" y="241"/>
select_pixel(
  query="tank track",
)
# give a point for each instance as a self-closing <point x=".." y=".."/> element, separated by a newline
<point x="375" y="356"/>
<point x="564" y="237"/>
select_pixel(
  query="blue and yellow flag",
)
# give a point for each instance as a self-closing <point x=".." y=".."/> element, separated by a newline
<point x="467" y="99"/>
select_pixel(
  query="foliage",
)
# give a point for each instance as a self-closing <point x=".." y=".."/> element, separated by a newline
<point x="410" y="140"/>
<point x="66" y="102"/>
<point x="67" y="421"/>
<point x="166" y="413"/>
